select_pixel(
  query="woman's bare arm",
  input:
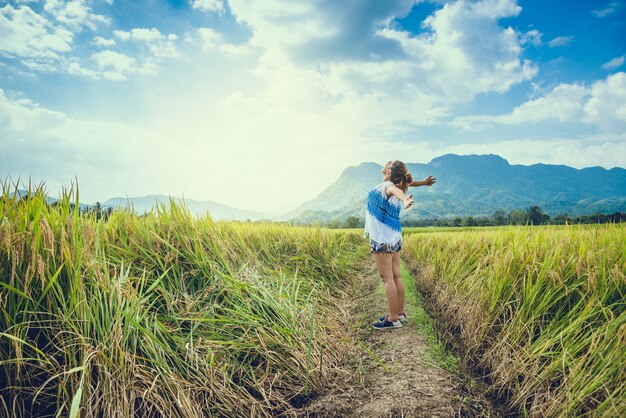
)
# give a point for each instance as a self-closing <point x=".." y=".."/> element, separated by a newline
<point x="428" y="181"/>
<point x="407" y="199"/>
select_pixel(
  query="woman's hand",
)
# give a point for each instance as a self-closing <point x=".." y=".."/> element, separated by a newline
<point x="429" y="181"/>
<point x="408" y="201"/>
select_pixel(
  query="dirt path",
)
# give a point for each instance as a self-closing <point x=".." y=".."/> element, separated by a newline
<point x="391" y="374"/>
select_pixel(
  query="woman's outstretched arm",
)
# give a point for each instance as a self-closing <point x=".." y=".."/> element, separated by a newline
<point x="428" y="181"/>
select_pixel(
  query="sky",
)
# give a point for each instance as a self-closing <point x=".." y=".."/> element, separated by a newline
<point x="262" y="104"/>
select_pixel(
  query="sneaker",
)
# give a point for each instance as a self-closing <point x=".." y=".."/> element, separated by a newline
<point x="387" y="325"/>
<point x="402" y="317"/>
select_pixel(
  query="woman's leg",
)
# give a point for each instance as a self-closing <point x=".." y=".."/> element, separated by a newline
<point x="397" y="278"/>
<point x="383" y="264"/>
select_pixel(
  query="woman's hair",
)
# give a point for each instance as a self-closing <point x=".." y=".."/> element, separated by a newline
<point x="400" y="175"/>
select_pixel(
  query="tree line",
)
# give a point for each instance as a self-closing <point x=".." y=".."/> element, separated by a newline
<point x="534" y="215"/>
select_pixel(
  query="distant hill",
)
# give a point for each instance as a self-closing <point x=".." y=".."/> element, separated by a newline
<point x="476" y="185"/>
<point x="24" y="193"/>
<point x="144" y="204"/>
<point x="217" y="210"/>
<point x="21" y="193"/>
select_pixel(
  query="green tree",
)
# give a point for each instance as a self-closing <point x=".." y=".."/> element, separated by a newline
<point x="469" y="221"/>
<point x="335" y="224"/>
<point x="562" y="219"/>
<point x="536" y="216"/>
<point x="353" y="222"/>
<point x="518" y="217"/>
<point x="499" y="217"/>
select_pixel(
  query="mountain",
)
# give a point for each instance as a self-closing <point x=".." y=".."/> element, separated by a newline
<point x="21" y="193"/>
<point x="144" y="204"/>
<point x="476" y="185"/>
<point x="217" y="210"/>
<point x="351" y="186"/>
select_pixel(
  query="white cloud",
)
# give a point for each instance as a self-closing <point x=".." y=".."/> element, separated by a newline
<point x="563" y="103"/>
<point x="74" y="67"/>
<point x="140" y="34"/>
<point x="164" y="49"/>
<point x="611" y="8"/>
<point x="161" y="46"/>
<point x="603" y="104"/>
<point x="359" y="50"/>
<point x="100" y="41"/>
<point x="45" y="41"/>
<point x="42" y="44"/>
<point x="208" y="5"/>
<point x="560" y="41"/>
<point x="122" y="35"/>
<point x="210" y="38"/>
<point x="277" y="23"/>
<point x="614" y="63"/>
<point x="468" y="53"/>
<point x="213" y="40"/>
<point x="356" y="42"/>
<point x="114" y="66"/>
<point x="74" y="14"/>
<point x="532" y="37"/>
<point x="146" y="35"/>
<point x="27" y="36"/>
<point x="113" y="60"/>
<point x="607" y="105"/>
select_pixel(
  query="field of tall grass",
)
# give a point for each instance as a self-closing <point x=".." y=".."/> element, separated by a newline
<point x="165" y="314"/>
<point x="170" y="315"/>
<point x="541" y="309"/>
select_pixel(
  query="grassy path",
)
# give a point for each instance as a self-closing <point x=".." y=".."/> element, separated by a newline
<point x="402" y="372"/>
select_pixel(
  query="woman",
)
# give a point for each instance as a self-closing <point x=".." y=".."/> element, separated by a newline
<point x="382" y="224"/>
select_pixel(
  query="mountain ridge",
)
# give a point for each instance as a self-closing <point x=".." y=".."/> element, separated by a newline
<point x="471" y="185"/>
<point x="217" y="211"/>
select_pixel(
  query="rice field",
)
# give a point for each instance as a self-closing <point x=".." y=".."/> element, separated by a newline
<point x="165" y="314"/>
<point x="170" y="315"/>
<point x="542" y="310"/>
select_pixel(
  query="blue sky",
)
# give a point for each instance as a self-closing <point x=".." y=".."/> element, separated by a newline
<point x="261" y="105"/>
